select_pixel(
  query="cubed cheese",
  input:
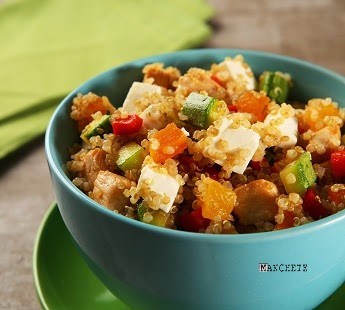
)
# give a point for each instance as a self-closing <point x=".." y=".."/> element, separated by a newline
<point x="137" y="90"/>
<point x="237" y="139"/>
<point x="238" y="70"/>
<point x="159" y="183"/>
<point x="152" y="117"/>
<point x="288" y="129"/>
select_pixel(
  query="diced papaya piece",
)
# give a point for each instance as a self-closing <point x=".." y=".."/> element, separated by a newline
<point x="85" y="105"/>
<point x="167" y="143"/>
<point x="218" y="200"/>
<point x="316" y="111"/>
<point x="253" y="102"/>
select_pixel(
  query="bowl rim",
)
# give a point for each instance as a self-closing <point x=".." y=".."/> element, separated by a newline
<point x="246" y="237"/>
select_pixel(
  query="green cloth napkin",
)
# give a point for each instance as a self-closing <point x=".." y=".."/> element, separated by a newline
<point x="49" y="47"/>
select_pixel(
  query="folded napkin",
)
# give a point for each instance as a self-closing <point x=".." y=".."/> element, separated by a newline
<point x="48" y="47"/>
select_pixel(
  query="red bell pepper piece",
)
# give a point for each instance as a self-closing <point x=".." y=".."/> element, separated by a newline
<point x="128" y="125"/>
<point x="288" y="222"/>
<point x="338" y="164"/>
<point x="337" y="197"/>
<point x="232" y="108"/>
<point x="212" y="172"/>
<point x="313" y="206"/>
<point x="193" y="221"/>
<point x="186" y="162"/>
<point x="256" y="165"/>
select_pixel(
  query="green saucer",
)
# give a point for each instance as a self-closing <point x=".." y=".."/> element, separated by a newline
<point x="64" y="281"/>
<point x="62" y="278"/>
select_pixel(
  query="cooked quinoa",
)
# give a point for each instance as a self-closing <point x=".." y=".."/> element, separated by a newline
<point x="217" y="151"/>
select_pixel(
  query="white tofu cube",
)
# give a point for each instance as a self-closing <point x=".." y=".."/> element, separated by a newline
<point x="160" y="183"/>
<point x="137" y="90"/>
<point x="238" y="70"/>
<point x="289" y="129"/>
<point x="237" y="139"/>
<point x="151" y="117"/>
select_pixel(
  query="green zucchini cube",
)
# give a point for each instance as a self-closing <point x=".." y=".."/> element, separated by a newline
<point x="159" y="217"/>
<point x="275" y="85"/>
<point x="96" y="127"/>
<point x="299" y="175"/>
<point x="130" y="156"/>
<point x="201" y="110"/>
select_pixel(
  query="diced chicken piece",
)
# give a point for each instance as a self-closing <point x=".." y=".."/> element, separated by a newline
<point x="241" y="71"/>
<point x="237" y="145"/>
<point x="288" y="128"/>
<point x="137" y="91"/>
<point x="158" y="186"/>
<point x="108" y="190"/>
<point x="94" y="161"/>
<point x="197" y="80"/>
<point x="256" y="202"/>
<point x="164" y="77"/>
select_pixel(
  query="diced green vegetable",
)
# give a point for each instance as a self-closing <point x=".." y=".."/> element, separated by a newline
<point x="275" y="85"/>
<point x="159" y="217"/>
<point x="201" y="110"/>
<point x="97" y="127"/>
<point x="299" y="175"/>
<point x="142" y="209"/>
<point x="130" y="156"/>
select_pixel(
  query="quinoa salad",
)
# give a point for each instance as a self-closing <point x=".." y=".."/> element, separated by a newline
<point x="214" y="150"/>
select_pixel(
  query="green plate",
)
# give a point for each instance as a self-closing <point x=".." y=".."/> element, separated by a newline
<point x="62" y="278"/>
<point x="64" y="281"/>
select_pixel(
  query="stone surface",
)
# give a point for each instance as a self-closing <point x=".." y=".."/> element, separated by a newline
<point x="312" y="30"/>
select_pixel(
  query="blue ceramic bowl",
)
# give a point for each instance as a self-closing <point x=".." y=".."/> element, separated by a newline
<point x="150" y="267"/>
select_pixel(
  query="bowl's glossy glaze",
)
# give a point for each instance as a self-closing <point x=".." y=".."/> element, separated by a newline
<point x="156" y="268"/>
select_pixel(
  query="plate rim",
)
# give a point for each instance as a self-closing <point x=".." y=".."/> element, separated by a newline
<point x="37" y="243"/>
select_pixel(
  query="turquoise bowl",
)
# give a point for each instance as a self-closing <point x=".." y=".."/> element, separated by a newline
<point x="149" y="267"/>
